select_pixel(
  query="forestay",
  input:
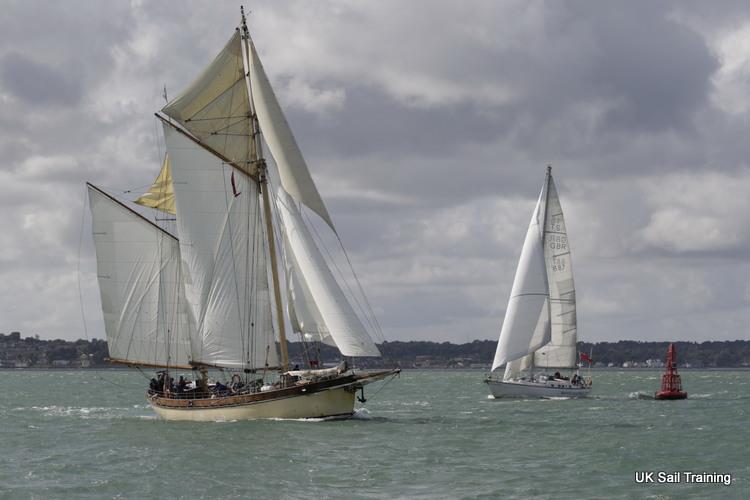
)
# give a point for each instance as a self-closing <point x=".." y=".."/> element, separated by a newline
<point x="293" y="172"/>
<point x="526" y="324"/>
<point x="223" y="248"/>
<point x="319" y="305"/>
<point x="561" y="351"/>
<point x="138" y="269"/>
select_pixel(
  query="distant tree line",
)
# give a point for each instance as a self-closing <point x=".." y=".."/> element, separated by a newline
<point x="33" y="352"/>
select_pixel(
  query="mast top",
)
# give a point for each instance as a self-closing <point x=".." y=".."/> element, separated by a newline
<point x="244" y="19"/>
<point x="549" y="169"/>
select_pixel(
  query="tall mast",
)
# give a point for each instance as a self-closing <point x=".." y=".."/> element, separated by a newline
<point x="544" y="233"/>
<point x="260" y="162"/>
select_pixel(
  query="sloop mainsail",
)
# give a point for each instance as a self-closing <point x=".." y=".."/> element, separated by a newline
<point x="539" y="329"/>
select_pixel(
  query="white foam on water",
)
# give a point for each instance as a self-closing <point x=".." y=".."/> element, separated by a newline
<point x="416" y="403"/>
<point x="312" y="419"/>
<point x="361" y="414"/>
<point x="94" y="412"/>
<point x="640" y="395"/>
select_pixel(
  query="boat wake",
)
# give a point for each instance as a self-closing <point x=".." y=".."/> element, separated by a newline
<point x="640" y="395"/>
<point x="95" y="412"/>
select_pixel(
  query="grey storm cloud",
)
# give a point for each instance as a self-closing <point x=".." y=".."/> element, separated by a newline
<point x="427" y="126"/>
<point x="37" y="84"/>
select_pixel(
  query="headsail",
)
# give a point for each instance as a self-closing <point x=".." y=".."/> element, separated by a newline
<point x="303" y="312"/>
<point x="319" y="304"/>
<point x="161" y="193"/>
<point x="293" y="172"/>
<point x="224" y="255"/>
<point x="561" y="351"/>
<point x="141" y="286"/>
<point x="526" y="325"/>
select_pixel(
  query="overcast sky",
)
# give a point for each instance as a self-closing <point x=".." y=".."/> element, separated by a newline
<point x="427" y="127"/>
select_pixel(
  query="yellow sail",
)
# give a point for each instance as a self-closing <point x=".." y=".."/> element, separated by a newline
<point x="161" y="194"/>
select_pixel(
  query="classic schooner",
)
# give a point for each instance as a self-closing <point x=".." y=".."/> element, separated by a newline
<point x="539" y="333"/>
<point x="207" y="294"/>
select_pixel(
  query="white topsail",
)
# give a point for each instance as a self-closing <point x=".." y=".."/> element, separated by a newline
<point x="138" y="269"/>
<point x="526" y="325"/>
<point x="318" y="303"/>
<point x="224" y="257"/>
<point x="215" y="108"/>
<point x="293" y="172"/>
<point x="561" y="351"/>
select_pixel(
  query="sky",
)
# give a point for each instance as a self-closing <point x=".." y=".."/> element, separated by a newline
<point x="427" y="126"/>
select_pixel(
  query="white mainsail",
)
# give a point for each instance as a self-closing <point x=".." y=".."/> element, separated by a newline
<point x="544" y="333"/>
<point x="293" y="172"/>
<point x="561" y="351"/>
<point x="224" y="257"/>
<point x="141" y="287"/>
<point x="319" y="305"/>
<point x="526" y="325"/>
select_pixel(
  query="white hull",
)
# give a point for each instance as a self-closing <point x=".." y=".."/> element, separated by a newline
<point x="528" y="389"/>
<point x="334" y="402"/>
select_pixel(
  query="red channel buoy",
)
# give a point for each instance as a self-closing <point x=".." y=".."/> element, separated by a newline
<point x="671" y="385"/>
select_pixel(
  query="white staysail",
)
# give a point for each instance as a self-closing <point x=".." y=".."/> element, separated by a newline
<point x="514" y="368"/>
<point x="293" y="172"/>
<point x="303" y="313"/>
<point x="142" y="292"/>
<point x="318" y="299"/>
<point x="215" y="108"/>
<point x="561" y="351"/>
<point x="224" y="257"/>
<point x="526" y="326"/>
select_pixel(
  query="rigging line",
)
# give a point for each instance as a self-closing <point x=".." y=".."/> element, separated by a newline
<point x="388" y="381"/>
<point x="234" y="263"/>
<point x="335" y="265"/>
<point x="229" y="124"/>
<point x="278" y="234"/>
<point x="217" y="118"/>
<point x="251" y="283"/>
<point x="219" y="96"/>
<point x="362" y="291"/>
<point x="362" y="310"/>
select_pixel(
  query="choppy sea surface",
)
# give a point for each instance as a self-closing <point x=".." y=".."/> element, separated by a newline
<point x="428" y="434"/>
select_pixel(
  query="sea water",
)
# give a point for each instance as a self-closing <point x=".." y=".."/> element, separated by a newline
<point x="427" y="434"/>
